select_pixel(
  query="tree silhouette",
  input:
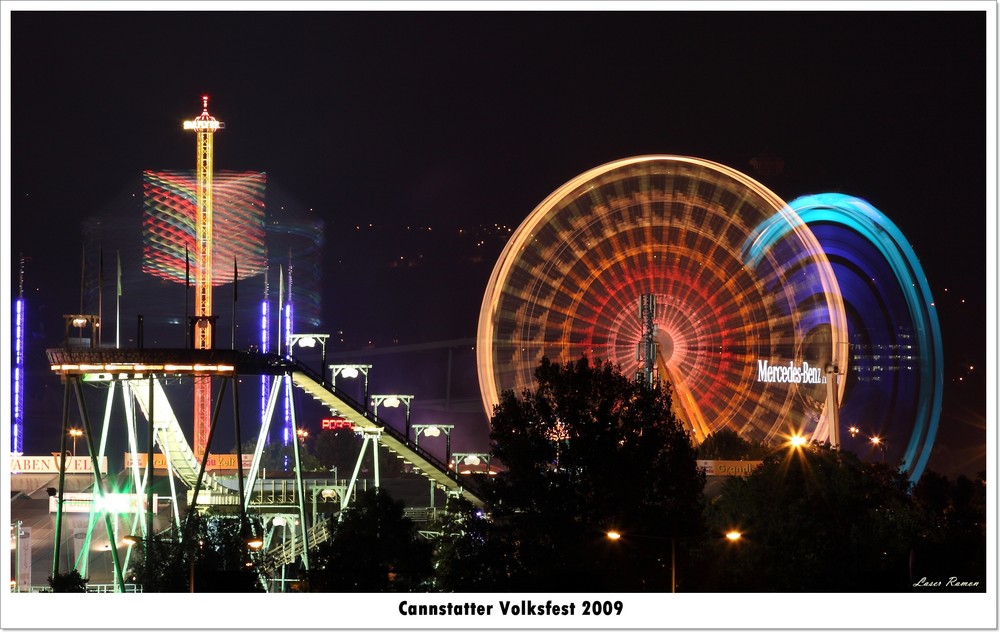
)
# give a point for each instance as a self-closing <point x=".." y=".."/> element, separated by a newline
<point x="68" y="582"/>
<point x="728" y="445"/>
<point x="214" y="552"/>
<point x="952" y="537"/>
<point x="473" y="553"/>
<point x="588" y="451"/>
<point x="374" y="548"/>
<point x="812" y="519"/>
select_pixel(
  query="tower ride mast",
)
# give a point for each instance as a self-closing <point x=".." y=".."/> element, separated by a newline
<point x="203" y="333"/>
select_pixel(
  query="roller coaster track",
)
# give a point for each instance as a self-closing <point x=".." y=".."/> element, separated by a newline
<point x="129" y="366"/>
<point x="171" y="440"/>
<point x="343" y="405"/>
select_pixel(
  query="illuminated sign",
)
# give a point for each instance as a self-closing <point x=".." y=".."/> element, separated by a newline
<point x="728" y="468"/>
<point x="215" y="461"/>
<point x="336" y="423"/>
<point x="204" y="124"/>
<point x="83" y="502"/>
<point x="790" y="373"/>
<point x="50" y="464"/>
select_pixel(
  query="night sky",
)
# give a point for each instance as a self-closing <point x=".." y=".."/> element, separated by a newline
<point x="467" y="120"/>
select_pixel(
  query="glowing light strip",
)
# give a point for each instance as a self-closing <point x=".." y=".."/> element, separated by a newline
<point x="17" y="425"/>
<point x="863" y="218"/>
<point x="264" y="340"/>
<point x="142" y="368"/>
<point x="287" y="433"/>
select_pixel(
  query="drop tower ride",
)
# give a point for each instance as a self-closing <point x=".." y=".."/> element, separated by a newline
<point x="203" y="321"/>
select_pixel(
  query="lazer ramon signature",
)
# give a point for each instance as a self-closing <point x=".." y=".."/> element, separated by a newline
<point x="951" y="581"/>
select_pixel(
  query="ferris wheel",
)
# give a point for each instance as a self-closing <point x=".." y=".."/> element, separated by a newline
<point x="895" y="386"/>
<point x="748" y="325"/>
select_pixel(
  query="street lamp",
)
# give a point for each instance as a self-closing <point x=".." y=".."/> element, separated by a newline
<point x="879" y="443"/>
<point x="796" y="441"/>
<point x="308" y="341"/>
<point x="434" y="430"/>
<point x="733" y="535"/>
<point x="302" y="435"/>
<point x="393" y="401"/>
<point x="616" y="535"/>
<point x="351" y="371"/>
<point x="75" y="433"/>
<point x="854" y="430"/>
<point x="471" y="459"/>
<point x="254" y="542"/>
<point x="80" y="322"/>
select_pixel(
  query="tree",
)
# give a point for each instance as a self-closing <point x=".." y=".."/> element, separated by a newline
<point x="168" y="571"/>
<point x="337" y="449"/>
<point x="374" y="548"/>
<point x="469" y="537"/>
<point x="70" y="582"/>
<point x="812" y="519"/>
<point x="214" y="552"/>
<point x="589" y="451"/>
<point x="726" y="444"/>
<point x="952" y="537"/>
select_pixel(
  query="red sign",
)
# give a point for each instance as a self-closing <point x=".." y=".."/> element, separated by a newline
<point x="336" y="423"/>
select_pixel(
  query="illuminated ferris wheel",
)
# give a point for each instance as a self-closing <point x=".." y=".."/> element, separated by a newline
<point x="748" y="330"/>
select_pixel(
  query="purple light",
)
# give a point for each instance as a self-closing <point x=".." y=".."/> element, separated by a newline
<point x="287" y="436"/>
<point x="17" y="425"/>
<point x="264" y="339"/>
<point x="288" y="328"/>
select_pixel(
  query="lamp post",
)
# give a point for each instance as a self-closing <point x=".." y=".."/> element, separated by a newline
<point x="308" y="341"/>
<point x="471" y="459"/>
<point x="434" y="430"/>
<point x="81" y="322"/>
<point x="879" y="443"/>
<point x="393" y="401"/>
<point x="617" y="535"/>
<point x="351" y="371"/>
<point x="75" y="433"/>
<point x="253" y="541"/>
